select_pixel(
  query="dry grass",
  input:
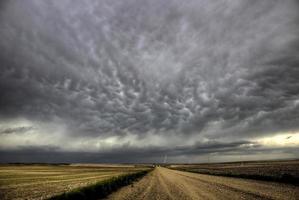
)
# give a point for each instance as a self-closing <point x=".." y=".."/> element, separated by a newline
<point x="44" y="181"/>
<point x="101" y="189"/>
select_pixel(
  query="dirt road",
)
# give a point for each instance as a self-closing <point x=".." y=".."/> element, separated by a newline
<point x="164" y="183"/>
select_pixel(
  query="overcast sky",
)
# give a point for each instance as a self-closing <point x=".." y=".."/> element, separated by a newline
<point x="136" y="80"/>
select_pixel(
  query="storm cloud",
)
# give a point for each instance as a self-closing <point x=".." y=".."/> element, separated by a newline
<point x="110" y="76"/>
<point x="22" y="129"/>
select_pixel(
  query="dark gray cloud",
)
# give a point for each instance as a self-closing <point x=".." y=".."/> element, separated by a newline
<point x="125" y="154"/>
<point x="22" y="129"/>
<point x="219" y="70"/>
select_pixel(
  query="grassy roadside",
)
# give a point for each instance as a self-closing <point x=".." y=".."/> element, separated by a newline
<point x="282" y="178"/>
<point x="101" y="189"/>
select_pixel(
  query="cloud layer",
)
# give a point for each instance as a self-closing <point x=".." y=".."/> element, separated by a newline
<point x="147" y="73"/>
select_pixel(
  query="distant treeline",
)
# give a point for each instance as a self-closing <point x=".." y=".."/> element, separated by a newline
<point x="51" y="164"/>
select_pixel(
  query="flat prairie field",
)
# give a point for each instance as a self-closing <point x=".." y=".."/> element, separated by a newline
<point x="43" y="181"/>
<point x="286" y="171"/>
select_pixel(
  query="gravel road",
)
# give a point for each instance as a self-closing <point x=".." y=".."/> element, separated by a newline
<point x="163" y="183"/>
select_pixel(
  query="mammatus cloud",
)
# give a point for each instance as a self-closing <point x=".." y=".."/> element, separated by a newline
<point x="138" y="75"/>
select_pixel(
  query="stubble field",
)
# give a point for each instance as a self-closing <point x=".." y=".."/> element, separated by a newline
<point x="173" y="181"/>
<point x="44" y="181"/>
<point x="286" y="171"/>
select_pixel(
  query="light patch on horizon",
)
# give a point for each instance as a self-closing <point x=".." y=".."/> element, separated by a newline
<point x="280" y="140"/>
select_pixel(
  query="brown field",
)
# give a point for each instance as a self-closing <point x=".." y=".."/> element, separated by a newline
<point x="44" y="181"/>
<point x="281" y="171"/>
<point x="175" y="182"/>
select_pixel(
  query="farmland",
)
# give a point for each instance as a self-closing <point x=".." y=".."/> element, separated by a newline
<point x="44" y="181"/>
<point x="165" y="184"/>
<point x="173" y="181"/>
<point x="280" y="171"/>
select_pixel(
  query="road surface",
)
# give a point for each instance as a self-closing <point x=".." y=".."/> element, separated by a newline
<point x="163" y="183"/>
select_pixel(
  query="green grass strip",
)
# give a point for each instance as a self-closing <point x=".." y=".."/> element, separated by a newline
<point x="101" y="189"/>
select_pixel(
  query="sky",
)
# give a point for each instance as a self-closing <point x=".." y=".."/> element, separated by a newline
<point x="138" y="80"/>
